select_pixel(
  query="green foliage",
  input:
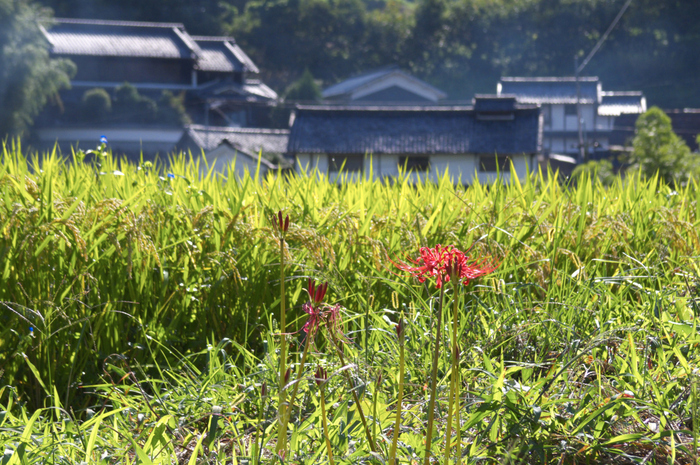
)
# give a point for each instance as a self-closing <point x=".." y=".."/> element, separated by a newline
<point x="171" y="108"/>
<point x="119" y="280"/>
<point x="657" y="149"/>
<point x="131" y="106"/>
<point x="28" y="77"/>
<point x="461" y="46"/>
<point x="304" y="89"/>
<point x="602" y="170"/>
<point x="96" y="104"/>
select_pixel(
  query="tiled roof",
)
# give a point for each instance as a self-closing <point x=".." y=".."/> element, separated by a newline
<point x="551" y="90"/>
<point x="248" y="140"/>
<point x="412" y="130"/>
<point x="222" y="54"/>
<point x="120" y="38"/>
<point x="619" y="103"/>
<point x="357" y="82"/>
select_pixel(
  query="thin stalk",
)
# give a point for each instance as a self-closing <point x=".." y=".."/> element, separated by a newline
<point x="298" y="381"/>
<point x="325" y="425"/>
<point x="453" y="374"/>
<point x="372" y="446"/>
<point x="282" y="409"/>
<point x="258" y="439"/>
<point x="397" y="423"/>
<point x="433" y="382"/>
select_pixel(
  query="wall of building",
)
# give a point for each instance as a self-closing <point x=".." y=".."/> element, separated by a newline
<point x="460" y="168"/>
<point x="557" y="117"/>
<point x="133" y="70"/>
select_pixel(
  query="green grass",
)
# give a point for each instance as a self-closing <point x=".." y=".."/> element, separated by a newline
<point x="153" y="303"/>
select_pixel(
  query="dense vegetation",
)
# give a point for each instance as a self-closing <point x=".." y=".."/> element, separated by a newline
<point x="462" y="46"/>
<point x="140" y="310"/>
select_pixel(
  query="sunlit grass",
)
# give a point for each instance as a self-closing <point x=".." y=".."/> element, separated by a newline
<point x="139" y="313"/>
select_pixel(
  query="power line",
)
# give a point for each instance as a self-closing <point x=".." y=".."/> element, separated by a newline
<point x="604" y="36"/>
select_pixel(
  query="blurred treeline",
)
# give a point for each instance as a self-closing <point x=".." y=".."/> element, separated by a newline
<point x="461" y="46"/>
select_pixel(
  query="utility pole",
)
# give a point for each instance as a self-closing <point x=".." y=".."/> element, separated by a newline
<point x="581" y="147"/>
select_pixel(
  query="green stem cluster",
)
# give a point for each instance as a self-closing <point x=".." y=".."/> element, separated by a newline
<point x="433" y="382"/>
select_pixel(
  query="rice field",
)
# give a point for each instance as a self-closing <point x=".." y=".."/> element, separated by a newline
<point x="141" y="310"/>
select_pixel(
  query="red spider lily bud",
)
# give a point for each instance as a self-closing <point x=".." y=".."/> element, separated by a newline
<point x="312" y="287"/>
<point x="286" y="375"/>
<point x="320" y="292"/>
<point x="321" y="376"/>
<point x="400" y="329"/>
<point x="457" y="352"/>
<point x="282" y="225"/>
<point x="263" y="389"/>
<point x="379" y="380"/>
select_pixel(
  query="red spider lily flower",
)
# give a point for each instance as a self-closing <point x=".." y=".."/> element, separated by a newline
<point x="314" y="321"/>
<point x="442" y="263"/>
<point x="335" y="323"/>
<point x="316" y="294"/>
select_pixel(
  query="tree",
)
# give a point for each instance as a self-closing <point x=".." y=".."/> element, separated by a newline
<point x="656" y="148"/>
<point x="97" y="104"/>
<point x="28" y="76"/>
<point x="304" y="89"/>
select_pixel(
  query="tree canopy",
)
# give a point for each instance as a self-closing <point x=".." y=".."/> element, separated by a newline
<point x="461" y="46"/>
<point x="28" y="77"/>
<point x="657" y="149"/>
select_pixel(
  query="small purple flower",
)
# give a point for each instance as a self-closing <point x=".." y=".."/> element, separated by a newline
<point x="103" y="139"/>
<point x="171" y="175"/>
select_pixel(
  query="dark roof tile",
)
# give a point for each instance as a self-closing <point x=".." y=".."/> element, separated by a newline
<point x="412" y="130"/>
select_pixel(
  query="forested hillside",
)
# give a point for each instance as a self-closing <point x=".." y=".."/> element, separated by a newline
<point x="461" y="46"/>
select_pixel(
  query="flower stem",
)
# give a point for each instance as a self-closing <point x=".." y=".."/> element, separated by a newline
<point x="433" y="382"/>
<point x="372" y="446"/>
<point x="290" y="407"/>
<point x="325" y="425"/>
<point x="397" y="423"/>
<point x="454" y="395"/>
<point x="282" y="404"/>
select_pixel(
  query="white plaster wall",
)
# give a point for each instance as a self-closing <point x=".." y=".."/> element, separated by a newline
<point x="557" y="145"/>
<point x="320" y="161"/>
<point x="603" y="123"/>
<point x="308" y="162"/>
<point x="461" y="168"/>
<point x="226" y="162"/>
<point x="588" y="115"/>
<point x="302" y="162"/>
<point x="557" y="117"/>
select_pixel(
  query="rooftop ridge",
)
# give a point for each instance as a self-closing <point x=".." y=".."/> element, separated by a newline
<point x="214" y="38"/>
<point x="622" y="93"/>
<point x="549" y="79"/>
<point x="105" y="22"/>
<point x="228" y="129"/>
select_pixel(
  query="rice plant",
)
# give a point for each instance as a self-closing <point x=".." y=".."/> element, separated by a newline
<point x="140" y="312"/>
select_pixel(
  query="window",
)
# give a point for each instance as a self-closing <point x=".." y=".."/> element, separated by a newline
<point x="349" y="163"/>
<point x="413" y="163"/>
<point x="493" y="163"/>
<point x="570" y="110"/>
